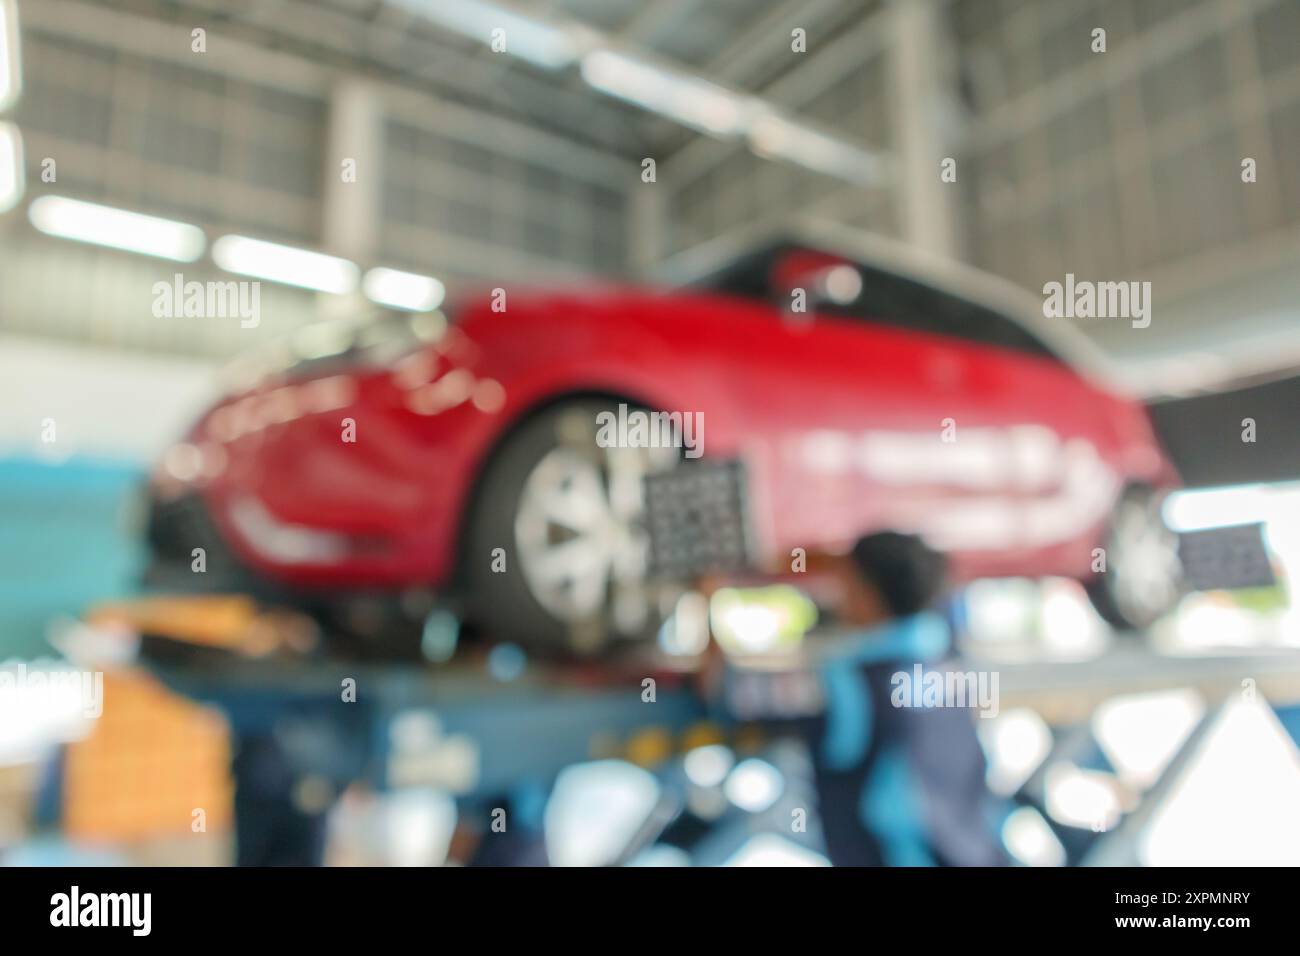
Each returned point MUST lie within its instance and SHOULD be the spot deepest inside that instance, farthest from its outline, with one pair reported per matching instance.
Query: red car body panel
(1011, 462)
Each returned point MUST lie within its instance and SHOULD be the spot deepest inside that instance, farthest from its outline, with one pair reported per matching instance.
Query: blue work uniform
(898, 786)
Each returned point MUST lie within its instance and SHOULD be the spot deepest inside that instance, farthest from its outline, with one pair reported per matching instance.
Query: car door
(1039, 429)
(914, 410)
(845, 410)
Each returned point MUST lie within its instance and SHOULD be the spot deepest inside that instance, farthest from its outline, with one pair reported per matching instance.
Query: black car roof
(741, 264)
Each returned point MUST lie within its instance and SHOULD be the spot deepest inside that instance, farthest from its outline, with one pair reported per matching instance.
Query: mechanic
(896, 786)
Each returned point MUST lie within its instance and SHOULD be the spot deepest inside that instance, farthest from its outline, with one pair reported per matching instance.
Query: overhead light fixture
(116, 228)
(687, 99)
(403, 290)
(542, 44)
(11, 73)
(286, 264)
(775, 137)
(11, 166)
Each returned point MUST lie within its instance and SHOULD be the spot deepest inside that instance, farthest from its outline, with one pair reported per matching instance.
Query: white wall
(105, 404)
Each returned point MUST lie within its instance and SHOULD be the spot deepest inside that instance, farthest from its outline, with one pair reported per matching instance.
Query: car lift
(474, 722)
(480, 732)
(467, 727)
(1067, 693)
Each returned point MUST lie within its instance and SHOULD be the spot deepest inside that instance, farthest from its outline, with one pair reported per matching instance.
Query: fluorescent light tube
(686, 99)
(540, 43)
(775, 136)
(286, 264)
(11, 72)
(11, 166)
(116, 228)
(403, 290)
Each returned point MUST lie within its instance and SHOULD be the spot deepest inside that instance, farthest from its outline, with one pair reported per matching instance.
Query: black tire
(501, 602)
(1105, 589)
(1103, 602)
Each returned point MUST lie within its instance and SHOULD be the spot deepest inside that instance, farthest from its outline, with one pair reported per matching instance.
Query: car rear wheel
(1143, 579)
(557, 552)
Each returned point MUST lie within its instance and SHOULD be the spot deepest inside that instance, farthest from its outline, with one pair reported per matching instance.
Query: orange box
(151, 760)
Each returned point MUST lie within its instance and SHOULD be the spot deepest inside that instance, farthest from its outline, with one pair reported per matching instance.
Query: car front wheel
(558, 553)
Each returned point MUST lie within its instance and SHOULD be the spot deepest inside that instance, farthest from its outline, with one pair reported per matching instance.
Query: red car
(860, 389)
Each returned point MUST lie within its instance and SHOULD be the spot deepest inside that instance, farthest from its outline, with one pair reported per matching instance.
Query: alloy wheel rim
(580, 535)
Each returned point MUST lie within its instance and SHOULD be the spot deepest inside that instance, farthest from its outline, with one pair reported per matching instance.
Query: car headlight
(286, 543)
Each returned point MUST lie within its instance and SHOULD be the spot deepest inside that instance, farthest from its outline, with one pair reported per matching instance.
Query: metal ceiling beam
(769, 35)
(766, 37)
(153, 39)
(756, 119)
(654, 17)
(537, 95)
(375, 44)
(157, 40)
(822, 70)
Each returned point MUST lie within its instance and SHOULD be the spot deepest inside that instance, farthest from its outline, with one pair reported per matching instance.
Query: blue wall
(66, 541)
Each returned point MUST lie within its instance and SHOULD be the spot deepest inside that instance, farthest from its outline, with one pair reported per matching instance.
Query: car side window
(905, 303)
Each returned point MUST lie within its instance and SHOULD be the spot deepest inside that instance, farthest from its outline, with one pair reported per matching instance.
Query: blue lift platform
(455, 726)
(487, 721)
(482, 726)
